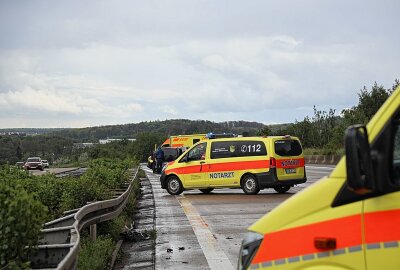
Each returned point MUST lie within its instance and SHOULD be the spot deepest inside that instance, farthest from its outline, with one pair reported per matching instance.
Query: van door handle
(201, 165)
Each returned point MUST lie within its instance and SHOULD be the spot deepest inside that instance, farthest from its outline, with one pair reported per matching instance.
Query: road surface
(204, 231)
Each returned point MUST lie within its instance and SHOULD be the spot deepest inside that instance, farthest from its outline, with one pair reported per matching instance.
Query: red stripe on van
(185, 170)
(222, 167)
(299, 241)
(382, 226)
(177, 145)
(237, 166)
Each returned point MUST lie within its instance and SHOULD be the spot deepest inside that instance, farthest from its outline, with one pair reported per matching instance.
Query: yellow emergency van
(183, 140)
(250, 163)
(349, 220)
(187, 141)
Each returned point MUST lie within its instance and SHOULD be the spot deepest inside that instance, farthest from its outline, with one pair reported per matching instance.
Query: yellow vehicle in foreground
(250, 163)
(349, 220)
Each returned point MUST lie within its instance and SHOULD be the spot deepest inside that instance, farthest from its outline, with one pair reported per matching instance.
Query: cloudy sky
(87, 63)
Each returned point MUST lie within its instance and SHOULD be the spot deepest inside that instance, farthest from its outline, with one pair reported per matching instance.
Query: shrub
(21, 217)
(95, 255)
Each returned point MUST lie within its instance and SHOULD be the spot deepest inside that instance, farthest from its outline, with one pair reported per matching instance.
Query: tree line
(323, 132)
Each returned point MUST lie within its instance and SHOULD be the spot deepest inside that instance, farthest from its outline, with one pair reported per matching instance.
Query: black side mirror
(360, 175)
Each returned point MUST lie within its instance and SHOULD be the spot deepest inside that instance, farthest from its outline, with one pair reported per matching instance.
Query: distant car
(45, 163)
(34, 163)
(20, 164)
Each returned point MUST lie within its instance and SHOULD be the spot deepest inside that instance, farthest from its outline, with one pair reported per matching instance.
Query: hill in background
(164, 128)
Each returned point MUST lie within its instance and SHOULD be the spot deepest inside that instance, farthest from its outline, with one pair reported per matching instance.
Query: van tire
(250, 184)
(206, 190)
(174, 185)
(282, 189)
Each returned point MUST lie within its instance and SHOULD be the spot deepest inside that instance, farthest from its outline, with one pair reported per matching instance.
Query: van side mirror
(360, 175)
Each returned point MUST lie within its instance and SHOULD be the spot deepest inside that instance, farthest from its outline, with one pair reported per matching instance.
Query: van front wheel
(282, 189)
(174, 186)
(250, 185)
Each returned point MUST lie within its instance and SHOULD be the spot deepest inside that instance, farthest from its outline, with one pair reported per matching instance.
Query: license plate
(291, 170)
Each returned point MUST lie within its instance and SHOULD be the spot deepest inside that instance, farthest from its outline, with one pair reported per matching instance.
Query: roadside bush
(112, 228)
(27, 201)
(21, 217)
(95, 255)
(109, 173)
(80, 191)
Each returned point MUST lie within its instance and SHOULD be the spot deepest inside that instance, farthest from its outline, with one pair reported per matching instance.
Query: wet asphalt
(196, 230)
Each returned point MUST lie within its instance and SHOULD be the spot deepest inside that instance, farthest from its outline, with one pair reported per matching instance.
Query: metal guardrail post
(93, 232)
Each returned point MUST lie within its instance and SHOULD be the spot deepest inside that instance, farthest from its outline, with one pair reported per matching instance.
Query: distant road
(52, 170)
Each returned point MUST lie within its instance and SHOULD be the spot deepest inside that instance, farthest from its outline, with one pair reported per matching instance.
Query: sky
(90, 63)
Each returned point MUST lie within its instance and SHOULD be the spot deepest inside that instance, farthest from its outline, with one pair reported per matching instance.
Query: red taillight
(272, 162)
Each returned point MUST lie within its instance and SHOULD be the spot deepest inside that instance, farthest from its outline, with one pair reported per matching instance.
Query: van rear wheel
(250, 184)
(174, 186)
(282, 189)
(206, 190)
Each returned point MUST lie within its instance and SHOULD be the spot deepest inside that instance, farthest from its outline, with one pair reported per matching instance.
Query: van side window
(223, 149)
(198, 152)
(251, 148)
(396, 157)
(286, 148)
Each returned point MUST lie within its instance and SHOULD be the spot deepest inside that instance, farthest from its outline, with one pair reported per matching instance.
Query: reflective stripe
(221, 167)
(317, 256)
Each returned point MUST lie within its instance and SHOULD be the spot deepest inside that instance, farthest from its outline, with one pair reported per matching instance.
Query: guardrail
(59, 246)
(76, 172)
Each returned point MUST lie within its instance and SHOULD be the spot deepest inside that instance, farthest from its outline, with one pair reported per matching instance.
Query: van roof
(256, 138)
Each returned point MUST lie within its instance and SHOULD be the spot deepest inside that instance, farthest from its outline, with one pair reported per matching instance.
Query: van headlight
(248, 250)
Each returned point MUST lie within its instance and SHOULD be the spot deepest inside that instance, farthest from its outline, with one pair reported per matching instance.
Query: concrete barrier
(322, 159)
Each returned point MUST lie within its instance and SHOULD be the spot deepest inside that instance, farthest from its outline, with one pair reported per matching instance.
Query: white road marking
(215, 256)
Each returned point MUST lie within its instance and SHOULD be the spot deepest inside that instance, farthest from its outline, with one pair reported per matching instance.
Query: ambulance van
(187, 141)
(183, 140)
(349, 220)
(250, 163)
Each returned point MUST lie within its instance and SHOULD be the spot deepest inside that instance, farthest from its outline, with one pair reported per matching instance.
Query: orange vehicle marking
(300, 240)
(221, 167)
(177, 145)
(382, 226)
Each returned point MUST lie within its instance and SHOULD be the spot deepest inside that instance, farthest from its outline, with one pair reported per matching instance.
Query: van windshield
(288, 148)
(170, 153)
